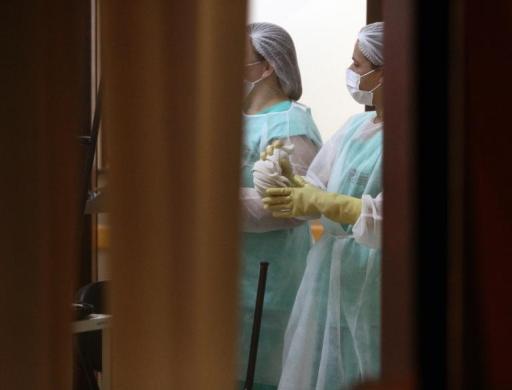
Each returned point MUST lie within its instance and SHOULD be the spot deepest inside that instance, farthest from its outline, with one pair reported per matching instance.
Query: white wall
(324, 32)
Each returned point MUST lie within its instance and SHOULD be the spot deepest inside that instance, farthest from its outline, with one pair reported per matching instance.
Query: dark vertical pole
(82, 378)
(457, 210)
(85, 262)
(432, 183)
(258, 312)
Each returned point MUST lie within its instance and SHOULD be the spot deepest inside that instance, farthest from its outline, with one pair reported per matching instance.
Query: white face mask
(249, 85)
(353, 81)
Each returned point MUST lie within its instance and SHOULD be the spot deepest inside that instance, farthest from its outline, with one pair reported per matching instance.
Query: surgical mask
(249, 85)
(353, 82)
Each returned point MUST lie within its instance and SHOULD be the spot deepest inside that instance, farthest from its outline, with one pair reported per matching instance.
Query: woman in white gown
(333, 335)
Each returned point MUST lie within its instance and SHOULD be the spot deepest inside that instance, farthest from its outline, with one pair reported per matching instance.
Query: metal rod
(256, 325)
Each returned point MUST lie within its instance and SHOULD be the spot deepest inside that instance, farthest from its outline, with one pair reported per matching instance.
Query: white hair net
(371, 42)
(276, 46)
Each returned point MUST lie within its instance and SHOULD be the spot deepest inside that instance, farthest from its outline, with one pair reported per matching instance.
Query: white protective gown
(333, 336)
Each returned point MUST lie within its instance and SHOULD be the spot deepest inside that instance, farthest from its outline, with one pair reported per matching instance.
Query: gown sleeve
(368, 228)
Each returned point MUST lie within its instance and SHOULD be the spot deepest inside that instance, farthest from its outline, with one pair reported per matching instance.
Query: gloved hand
(310, 201)
(286, 166)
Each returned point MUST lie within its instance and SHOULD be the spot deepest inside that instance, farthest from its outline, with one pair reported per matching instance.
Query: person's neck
(379, 106)
(263, 98)
(379, 118)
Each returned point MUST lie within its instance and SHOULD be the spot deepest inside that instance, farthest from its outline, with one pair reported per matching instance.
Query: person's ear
(380, 73)
(268, 70)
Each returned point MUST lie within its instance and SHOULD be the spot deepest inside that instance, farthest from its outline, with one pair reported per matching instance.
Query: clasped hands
(302, 199)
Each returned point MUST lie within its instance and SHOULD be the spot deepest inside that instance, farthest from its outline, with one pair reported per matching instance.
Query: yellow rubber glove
(309, 201)
(286, 167)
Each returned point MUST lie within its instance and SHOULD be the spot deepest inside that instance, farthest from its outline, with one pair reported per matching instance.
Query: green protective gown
(285, 250)
(333, 337)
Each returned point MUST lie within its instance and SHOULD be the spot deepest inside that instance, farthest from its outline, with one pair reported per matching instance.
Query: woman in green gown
(271, 112)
